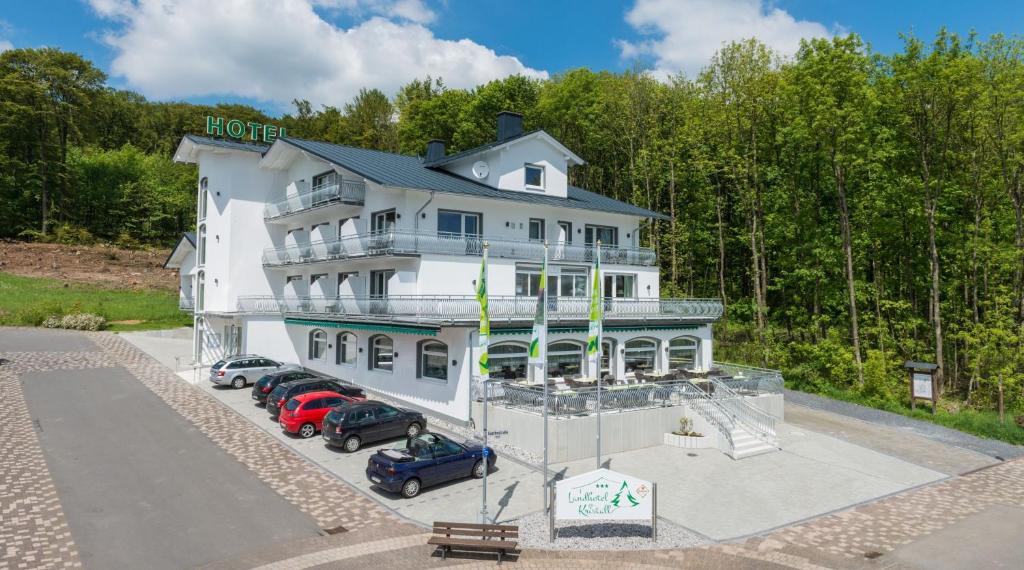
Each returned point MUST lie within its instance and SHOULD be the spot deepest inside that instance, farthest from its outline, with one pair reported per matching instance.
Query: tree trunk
(933, 254)
(721, 251)
(844, 223)
(672, 213)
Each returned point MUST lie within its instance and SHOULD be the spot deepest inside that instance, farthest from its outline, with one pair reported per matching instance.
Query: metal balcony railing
(448, 308)
(344, 192)
(402, 242)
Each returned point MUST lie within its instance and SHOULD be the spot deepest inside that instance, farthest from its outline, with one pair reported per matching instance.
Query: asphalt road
(140, 486)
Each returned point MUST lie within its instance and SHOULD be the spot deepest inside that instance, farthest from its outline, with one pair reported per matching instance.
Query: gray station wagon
(237, 371)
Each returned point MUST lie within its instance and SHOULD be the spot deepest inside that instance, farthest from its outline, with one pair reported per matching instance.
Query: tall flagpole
(596, 314)
(539, 353)
(484, 341)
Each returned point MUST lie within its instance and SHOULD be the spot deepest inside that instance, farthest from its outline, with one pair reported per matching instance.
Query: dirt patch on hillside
(102, 265)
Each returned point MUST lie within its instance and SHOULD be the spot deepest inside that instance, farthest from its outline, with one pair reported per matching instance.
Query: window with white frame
(565, 358)
(570, 283)
(640, 354)
(682, 353)
(348, 347)
(204, 195)
(202, 245)
(527, 281)
(317, 344)
(536, 229)
(607, 356)
(507, 360)
(200, 290)
(533, 176)
(316, 277)
(433, 360)
(382, 353)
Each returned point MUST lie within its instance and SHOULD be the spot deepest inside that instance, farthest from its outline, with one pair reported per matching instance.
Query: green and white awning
(607, 329)
(366, 326)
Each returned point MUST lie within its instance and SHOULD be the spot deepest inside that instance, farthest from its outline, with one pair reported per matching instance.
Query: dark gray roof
(402, 171)
(472, 151)
(224, 143)
(191, 237)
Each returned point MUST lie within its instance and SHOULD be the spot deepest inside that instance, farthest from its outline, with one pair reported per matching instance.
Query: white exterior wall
(505, 164)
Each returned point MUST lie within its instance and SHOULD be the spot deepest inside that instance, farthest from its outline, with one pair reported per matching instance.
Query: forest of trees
(853, 210)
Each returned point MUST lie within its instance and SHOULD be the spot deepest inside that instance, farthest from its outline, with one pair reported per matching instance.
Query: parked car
(237, 371)
(287, 390)
(350, 427)
(426, 460)
(265, 385)
(304, 414)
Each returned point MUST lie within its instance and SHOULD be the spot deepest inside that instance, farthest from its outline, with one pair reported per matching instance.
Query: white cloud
(5, 45)
(279, 50)
(685, 34)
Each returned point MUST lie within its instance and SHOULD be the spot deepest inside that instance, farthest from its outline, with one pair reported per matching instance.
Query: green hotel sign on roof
(257, 132)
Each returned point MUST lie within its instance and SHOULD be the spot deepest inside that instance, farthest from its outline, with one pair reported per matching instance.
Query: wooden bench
(468, 536)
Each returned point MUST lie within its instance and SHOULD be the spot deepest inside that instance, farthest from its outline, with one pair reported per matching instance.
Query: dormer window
(534, 176)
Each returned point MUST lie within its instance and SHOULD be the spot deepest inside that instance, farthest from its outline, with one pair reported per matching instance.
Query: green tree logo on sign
(629, 496)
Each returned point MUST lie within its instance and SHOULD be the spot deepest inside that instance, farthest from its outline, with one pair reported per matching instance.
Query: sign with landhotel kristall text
(257, 132)
(603, 495)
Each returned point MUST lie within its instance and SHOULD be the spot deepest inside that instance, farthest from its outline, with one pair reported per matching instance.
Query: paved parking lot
(514, 489)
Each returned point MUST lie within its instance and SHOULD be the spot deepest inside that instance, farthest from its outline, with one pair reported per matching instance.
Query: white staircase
(747, 431)
(745, 444)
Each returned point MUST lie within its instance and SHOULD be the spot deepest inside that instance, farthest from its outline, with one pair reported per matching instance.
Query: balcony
(351, 192)
(465, 308)
(401, 242)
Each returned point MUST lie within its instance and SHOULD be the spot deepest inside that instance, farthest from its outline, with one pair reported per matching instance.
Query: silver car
(237, 371)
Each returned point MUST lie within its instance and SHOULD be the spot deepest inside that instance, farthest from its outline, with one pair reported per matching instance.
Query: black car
(351, 426)
(267, 383)
(287, 390)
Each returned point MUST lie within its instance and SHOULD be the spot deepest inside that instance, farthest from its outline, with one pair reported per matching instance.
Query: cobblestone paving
(34, 532)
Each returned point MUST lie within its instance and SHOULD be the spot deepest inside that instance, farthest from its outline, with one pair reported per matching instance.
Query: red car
(304, 414)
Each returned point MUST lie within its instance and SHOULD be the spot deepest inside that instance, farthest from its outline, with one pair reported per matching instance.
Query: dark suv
(287, 390)
(262, 388)
(351, 426)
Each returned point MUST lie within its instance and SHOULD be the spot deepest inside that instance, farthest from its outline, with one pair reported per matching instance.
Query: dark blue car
(427, 459)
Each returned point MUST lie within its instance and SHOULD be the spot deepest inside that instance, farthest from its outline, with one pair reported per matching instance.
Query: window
(382, 353)
(204, 196)
(433, 362)
(347, 348)
(202, 245)
(445, 448)
(536, 229)
(201, 290)
(607, 354)
(451, 223)
(682, 353)
(527, 281)
(360, 417)
(607, 235)
(316, 277)
(565, 358)
(317, 344)
(383, 221)
(324, 180)
(385, 413)
(347, 278)
(640, 354)
(565, 232)
(508, 360)
(571, 283)
(534, 176)
(619, 286)
(290, 278)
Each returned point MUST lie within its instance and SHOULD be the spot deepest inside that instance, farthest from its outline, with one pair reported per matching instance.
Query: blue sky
(323, 50)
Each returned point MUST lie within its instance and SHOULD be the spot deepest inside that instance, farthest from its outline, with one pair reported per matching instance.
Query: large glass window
(619, 286)
(527, 281)
(536, 229)
(508, 361)
(565, 358)
(451, 223)
(682, 353)
(570, 284)
(382, 353)
(433, 360)
(347, 349)
(317, 344)
(607, 235)
(640, 354)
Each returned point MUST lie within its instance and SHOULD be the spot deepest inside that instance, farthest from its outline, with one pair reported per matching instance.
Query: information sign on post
(604, 495)
(922, 383)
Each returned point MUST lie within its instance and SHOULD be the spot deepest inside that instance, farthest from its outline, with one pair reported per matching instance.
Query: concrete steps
(745, 444)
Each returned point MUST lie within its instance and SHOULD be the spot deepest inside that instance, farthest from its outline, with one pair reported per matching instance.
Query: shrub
(75, 321)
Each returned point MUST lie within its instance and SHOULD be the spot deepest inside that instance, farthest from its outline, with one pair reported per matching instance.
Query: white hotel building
(362, 264)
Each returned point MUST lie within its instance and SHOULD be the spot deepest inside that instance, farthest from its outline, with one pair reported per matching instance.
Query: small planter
(687, 441)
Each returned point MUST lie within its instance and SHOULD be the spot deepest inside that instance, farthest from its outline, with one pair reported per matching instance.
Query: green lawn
(981, 423)
(26, 301)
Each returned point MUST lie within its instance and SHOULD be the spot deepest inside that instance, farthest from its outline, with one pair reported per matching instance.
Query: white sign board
(922, 385)
(603, 495)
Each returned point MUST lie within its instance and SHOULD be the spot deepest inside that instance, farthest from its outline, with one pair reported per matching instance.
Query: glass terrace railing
(344, 192)
(402, 242)
(186, 303)
(449, 308)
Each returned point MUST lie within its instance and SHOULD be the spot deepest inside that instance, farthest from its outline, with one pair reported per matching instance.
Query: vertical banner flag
(596, 316)
(485, 319)
(540, 321)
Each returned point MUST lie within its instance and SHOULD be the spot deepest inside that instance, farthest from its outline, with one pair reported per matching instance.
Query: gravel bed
(618, 535)
(990, 447)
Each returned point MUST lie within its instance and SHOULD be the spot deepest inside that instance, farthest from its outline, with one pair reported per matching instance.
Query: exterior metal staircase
(746, 429)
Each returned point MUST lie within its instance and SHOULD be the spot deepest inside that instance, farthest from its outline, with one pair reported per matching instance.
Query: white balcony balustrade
(344, 192)
(458, 308)
(402, 242)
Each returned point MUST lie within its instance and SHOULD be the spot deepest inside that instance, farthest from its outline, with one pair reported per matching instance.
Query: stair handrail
(706, 406)
(761, 423)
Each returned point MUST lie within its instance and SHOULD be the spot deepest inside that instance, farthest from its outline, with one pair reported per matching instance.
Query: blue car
(425, 460)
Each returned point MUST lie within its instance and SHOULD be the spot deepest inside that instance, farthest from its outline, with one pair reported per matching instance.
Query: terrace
(351, 192)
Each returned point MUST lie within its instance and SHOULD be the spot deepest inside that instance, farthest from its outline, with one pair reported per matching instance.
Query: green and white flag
(596, 309)
(540, 321)
(485, 319)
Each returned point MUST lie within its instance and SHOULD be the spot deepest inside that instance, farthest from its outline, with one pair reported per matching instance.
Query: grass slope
(26, 301)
